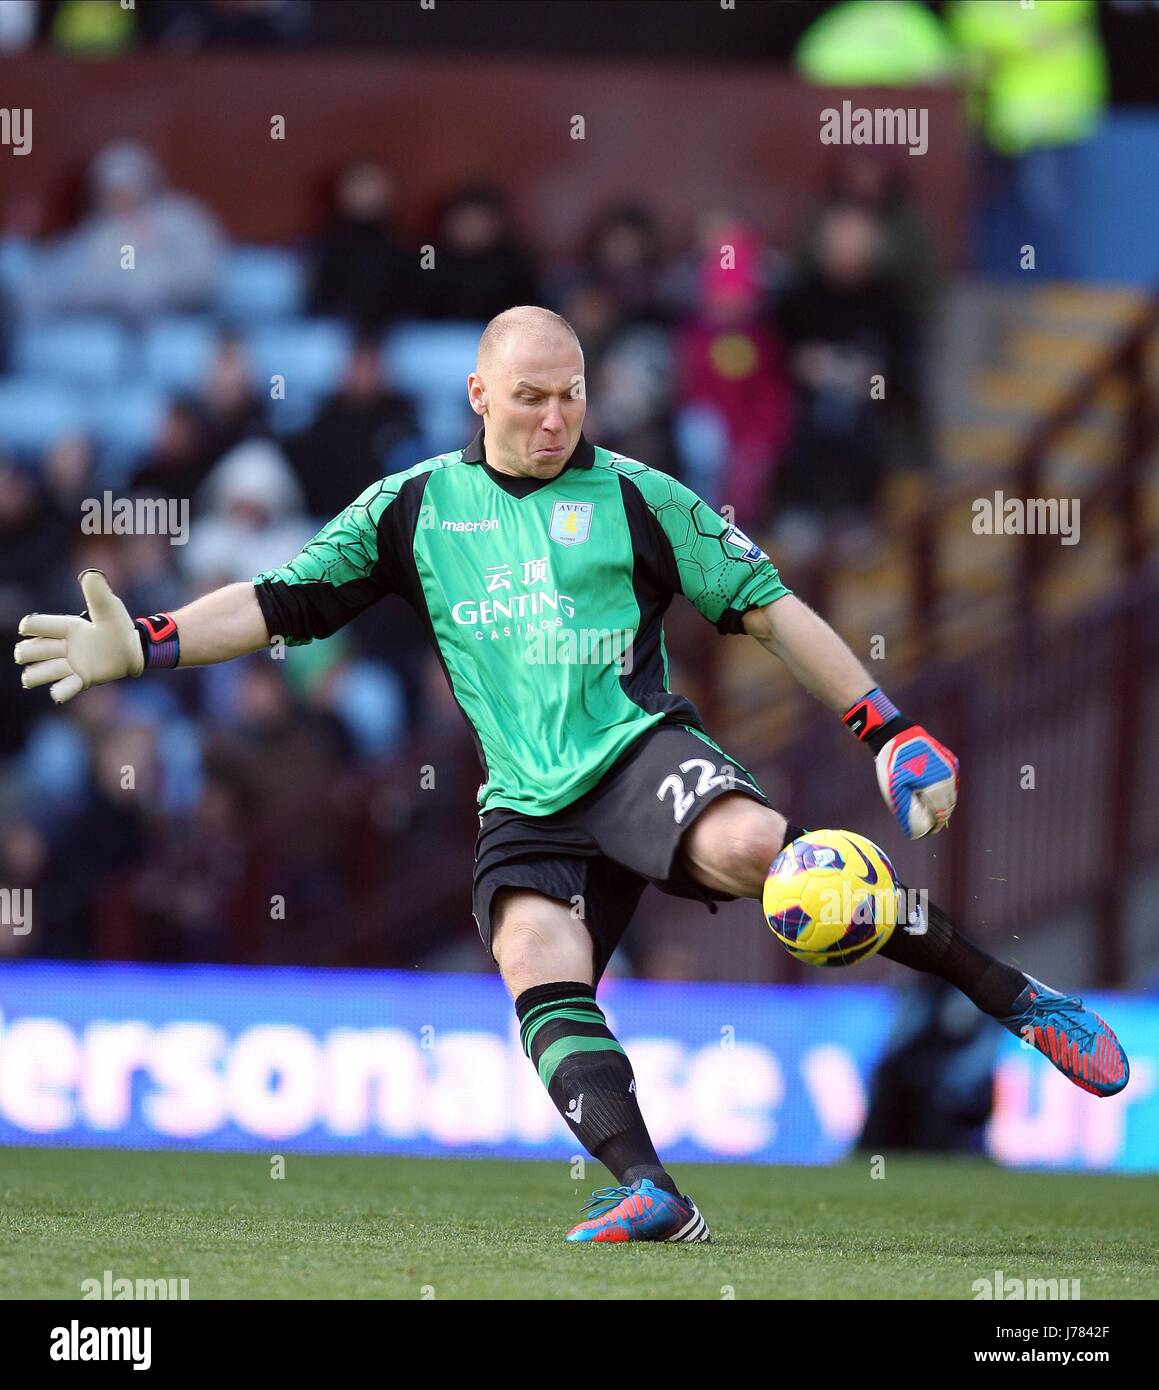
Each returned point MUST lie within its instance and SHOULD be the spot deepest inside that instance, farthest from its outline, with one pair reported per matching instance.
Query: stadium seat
(448, 423)
(177, 352)
(262, 282)
(125, 419)
(309, 353)
(82, 351)
(35, 413)
(430, 362)
(18, 257)
(431, 359)
(293, 415)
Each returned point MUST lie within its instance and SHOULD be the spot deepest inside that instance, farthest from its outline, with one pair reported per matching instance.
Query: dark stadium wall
(687, 139)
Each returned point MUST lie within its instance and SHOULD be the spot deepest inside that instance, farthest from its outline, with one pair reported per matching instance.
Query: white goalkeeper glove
(73, 653)
(918, 776)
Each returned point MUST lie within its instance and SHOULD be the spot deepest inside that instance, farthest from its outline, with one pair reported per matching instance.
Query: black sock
(589, 1078)
(792, 832)
(943, 951)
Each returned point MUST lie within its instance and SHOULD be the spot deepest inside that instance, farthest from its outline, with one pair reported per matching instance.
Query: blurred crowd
(163, 818)
(108, 26)
(295, 809)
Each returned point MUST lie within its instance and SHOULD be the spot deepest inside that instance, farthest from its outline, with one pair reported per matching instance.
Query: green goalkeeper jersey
(544, 599)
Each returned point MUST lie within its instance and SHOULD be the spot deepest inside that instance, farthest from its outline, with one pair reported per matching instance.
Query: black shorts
(617, 838)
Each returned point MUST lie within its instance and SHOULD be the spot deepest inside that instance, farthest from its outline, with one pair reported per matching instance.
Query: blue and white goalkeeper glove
(917, 775)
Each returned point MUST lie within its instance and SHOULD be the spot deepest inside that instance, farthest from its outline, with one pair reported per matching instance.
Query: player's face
(533, 408)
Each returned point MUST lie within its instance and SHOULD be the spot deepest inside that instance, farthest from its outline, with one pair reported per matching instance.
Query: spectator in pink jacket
(735, 394)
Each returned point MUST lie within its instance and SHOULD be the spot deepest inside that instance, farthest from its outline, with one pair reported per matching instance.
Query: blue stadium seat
(448, 423)
(178, 350)
(293, 415)
(309, 353)
(262, 282)
(87, 350)
(35, 413)
(18, 260)
(125, 419)
(431, 359)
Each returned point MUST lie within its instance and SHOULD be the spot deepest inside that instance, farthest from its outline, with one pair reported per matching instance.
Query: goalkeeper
(542, 566)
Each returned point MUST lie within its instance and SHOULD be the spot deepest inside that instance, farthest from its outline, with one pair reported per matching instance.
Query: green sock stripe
(566, 1047)
(558, 1004)
(575, 1015)
(540, 1014)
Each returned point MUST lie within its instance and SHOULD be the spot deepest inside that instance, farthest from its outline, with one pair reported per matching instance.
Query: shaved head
(528, 385)
(526, 324)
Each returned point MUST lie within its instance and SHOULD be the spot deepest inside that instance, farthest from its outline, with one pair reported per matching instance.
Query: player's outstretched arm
(220, 625)
(71, 653)
(817, 658)
(918, 776)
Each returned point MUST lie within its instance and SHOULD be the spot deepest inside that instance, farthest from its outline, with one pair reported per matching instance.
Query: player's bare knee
(528, 957)
(755, 840)
(737, 847)
(743, 859)
(537, 941)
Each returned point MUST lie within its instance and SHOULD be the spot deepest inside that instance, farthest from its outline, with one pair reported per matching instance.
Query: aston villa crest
(571, 522)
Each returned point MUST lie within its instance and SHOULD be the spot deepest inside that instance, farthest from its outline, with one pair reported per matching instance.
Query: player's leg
(727, 848)
(730, 846)
(550, 962)
(547, 959)
(731, 843)
(536, 939)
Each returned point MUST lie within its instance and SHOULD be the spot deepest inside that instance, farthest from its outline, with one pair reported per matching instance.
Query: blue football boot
(1075, 1039)
(640, 1212)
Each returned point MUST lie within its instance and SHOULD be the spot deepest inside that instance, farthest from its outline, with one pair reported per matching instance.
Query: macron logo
(575, 1109)
(491, 523)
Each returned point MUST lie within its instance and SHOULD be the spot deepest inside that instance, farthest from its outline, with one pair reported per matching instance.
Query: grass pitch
(345, 1227)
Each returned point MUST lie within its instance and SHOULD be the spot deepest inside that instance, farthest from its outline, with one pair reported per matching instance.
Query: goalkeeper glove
(917, 775)
(103, 644)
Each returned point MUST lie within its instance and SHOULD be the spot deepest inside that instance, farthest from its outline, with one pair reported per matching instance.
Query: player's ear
(476, 394)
